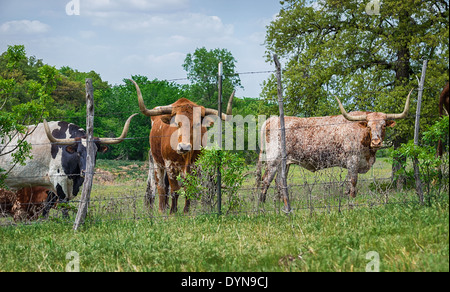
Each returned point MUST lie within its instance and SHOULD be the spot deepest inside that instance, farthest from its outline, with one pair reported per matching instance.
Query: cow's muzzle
(376, 143)
(183, 148)
(83, 173)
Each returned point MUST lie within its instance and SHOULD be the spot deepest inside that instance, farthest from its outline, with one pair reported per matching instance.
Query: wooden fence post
(90, 158)
(219, 114)
(284, 187)
(419, 190)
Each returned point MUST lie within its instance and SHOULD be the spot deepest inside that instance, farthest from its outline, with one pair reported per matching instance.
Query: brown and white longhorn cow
(177, 130)
(348, 140)
(58, 157)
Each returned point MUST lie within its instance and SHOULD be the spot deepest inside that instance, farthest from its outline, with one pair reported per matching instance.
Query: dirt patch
(104, 177)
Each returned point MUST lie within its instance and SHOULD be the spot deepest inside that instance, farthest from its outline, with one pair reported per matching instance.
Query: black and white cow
(58, 157)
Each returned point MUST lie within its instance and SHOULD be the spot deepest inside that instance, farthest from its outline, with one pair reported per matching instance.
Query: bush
(201, 182)
(433, 169)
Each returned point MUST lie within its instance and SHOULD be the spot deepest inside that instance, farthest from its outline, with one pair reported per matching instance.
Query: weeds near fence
(201, 183)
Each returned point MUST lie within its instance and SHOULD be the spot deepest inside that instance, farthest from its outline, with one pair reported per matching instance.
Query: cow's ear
(103, 148)
(166, 119)
(208, 121)
(390, 123)
(72, 148)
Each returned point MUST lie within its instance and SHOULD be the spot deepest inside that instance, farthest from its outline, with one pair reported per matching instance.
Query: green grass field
(407, 237)
(404, 235)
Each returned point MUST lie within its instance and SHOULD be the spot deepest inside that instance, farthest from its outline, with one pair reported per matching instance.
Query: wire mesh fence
(121, 195)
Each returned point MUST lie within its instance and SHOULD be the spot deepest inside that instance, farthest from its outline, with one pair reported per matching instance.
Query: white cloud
(134, 6)
(24, 27)
(182, 24)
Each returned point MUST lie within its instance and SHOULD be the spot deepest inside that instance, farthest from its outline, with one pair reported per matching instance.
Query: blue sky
(119, 38)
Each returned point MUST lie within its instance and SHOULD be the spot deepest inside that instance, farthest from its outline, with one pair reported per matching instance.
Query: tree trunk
(402, 75)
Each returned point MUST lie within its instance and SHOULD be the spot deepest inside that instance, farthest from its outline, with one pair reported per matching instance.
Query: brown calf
(27, 203)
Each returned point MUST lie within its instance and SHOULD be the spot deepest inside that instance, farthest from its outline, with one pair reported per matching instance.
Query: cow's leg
(163, 188)
(269, 174)
(174, 207)
(150, 192)
(61, 192)
(174, 186)
(352, 180)
(352, 176)
(49, 203)
(279, 182)
(167, 191)
(352, 185)
(187, 206)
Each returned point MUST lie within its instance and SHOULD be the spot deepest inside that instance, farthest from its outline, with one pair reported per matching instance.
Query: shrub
(201, 182)
(433, 169)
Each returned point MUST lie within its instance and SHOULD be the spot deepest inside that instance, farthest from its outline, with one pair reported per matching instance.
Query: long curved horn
(230, 104)
(54, 140)
(122, 137)
(405, 111)
(347, 116)
(210, 111)
(162, 110)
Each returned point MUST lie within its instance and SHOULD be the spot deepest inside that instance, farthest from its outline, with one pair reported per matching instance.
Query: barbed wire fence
(120, 194)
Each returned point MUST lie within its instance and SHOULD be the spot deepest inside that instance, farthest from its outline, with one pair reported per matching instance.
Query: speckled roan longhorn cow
(172, 146)
(349, 141)
(58, 157)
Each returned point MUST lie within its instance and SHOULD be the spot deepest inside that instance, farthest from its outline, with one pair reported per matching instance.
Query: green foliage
(432, 167)
(25, 99)
(201, 182)
(15, 55)
(202, 69)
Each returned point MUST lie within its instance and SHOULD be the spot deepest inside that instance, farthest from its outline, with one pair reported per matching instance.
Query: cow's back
(35, 169)
(318, 142)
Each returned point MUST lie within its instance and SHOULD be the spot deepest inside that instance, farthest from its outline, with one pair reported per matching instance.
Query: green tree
(23, 100)
(70, 94)
(203, 67)
(333, 47)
